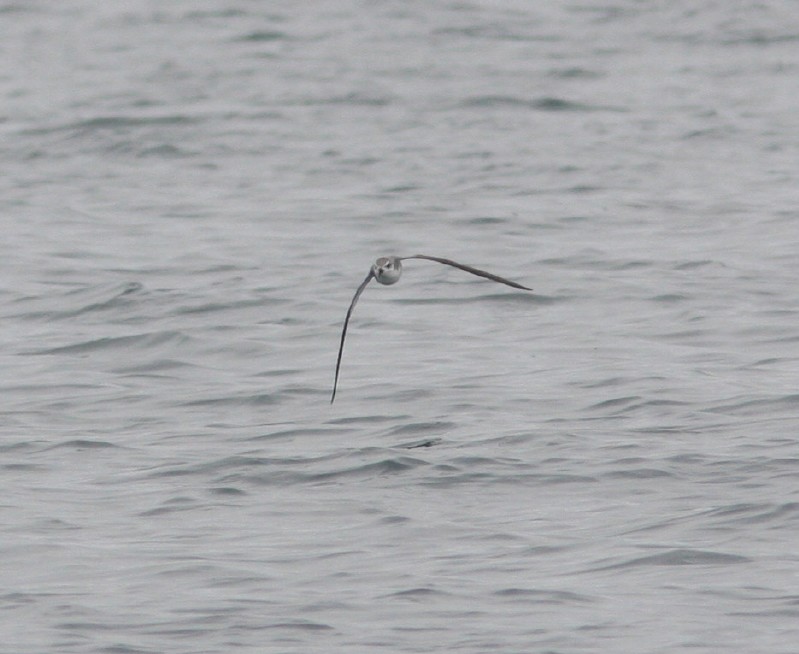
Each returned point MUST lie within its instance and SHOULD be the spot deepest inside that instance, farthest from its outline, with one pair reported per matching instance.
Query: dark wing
(344, 331)
(469, 269)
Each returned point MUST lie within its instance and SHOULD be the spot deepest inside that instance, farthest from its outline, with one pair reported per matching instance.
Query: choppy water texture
(191, 193)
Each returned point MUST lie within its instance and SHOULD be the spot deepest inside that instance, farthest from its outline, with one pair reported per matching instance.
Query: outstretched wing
(344, 331)
(469, 269)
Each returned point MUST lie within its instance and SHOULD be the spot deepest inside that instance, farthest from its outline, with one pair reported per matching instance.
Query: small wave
(301, 625)
(354, 99)
(421, 594)
(760, 37)
(758, 406)
(492, 32)
(82, 444)
(421, 428)
(262, 36)
(427, 442)
(487, 220)
(537, 596)
(281, 475)
(234, 471)
(537, 104)
(670, 298)
(227, 491)
(575, 72)
(639, 473)
(390, 466)
(102, 123)
(297, 433)
(749, 514)
(212, 307)
(254, 399)
(614, 403)
(80, 301)
(149, 367)
(138, 341)
(358, 420)
(680, 557)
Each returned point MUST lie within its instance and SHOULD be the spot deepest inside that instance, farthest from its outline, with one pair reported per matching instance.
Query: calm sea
(191, 192)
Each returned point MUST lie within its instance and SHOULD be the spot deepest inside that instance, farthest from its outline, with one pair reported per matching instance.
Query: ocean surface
(191, 192)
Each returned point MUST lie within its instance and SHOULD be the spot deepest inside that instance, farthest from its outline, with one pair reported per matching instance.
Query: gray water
(191, 193)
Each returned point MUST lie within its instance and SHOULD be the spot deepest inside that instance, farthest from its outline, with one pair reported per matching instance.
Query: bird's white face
(387, 270)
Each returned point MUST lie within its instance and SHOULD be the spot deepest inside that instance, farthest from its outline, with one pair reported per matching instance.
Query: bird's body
(387, 271)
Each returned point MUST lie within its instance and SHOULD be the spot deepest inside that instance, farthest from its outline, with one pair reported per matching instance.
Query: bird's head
(387, 270)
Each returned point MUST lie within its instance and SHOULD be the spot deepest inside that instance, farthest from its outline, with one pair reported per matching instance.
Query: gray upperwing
(344, 330)
(470, 269)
